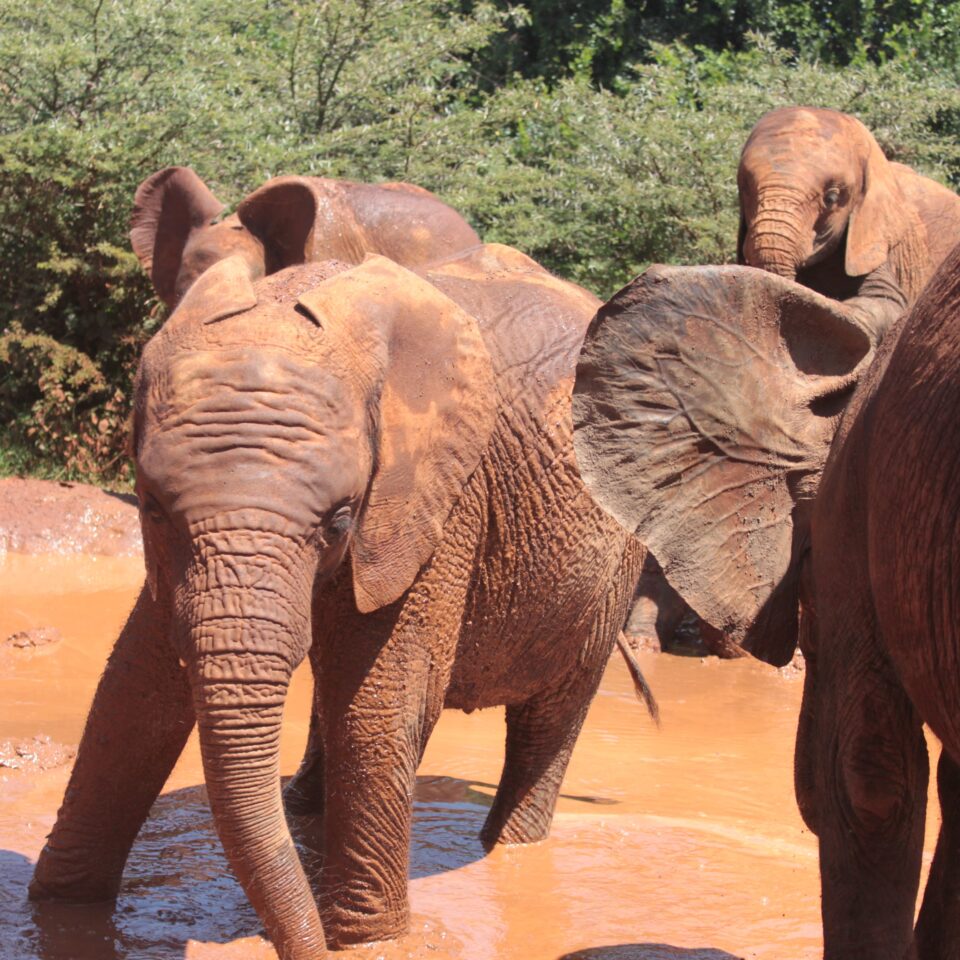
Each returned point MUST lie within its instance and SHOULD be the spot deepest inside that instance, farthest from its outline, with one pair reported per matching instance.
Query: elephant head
(705, 404)
(175, 233)
(287, 221)
(322, 416)
(814, 184)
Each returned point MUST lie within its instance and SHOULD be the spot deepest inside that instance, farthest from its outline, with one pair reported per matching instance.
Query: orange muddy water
(678, 842)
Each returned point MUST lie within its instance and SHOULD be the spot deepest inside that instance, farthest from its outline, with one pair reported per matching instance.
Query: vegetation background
(595, 135)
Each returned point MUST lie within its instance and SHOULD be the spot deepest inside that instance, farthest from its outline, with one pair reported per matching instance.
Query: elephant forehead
(811, 138)
(266, 386)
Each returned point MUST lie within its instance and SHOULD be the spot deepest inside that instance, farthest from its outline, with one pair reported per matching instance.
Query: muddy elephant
(373, 469)
(175, 233)
(707, 402)
(883, 647)
(820, 203)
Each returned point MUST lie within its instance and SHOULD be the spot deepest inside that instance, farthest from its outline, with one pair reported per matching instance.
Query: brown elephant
(883, 646)
(820, 203)
(289, 220)
(707, 402)
(376, 469)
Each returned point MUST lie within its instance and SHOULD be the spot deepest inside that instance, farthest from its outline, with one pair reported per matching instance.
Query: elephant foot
(303, 796)
(57, 878)
(522, 827)
(349, 929)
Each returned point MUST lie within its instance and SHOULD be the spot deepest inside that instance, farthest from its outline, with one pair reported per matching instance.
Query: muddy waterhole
(678, 842)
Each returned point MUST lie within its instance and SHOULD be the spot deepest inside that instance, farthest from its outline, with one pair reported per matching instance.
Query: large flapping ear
(705, 403)
(282, 215)
(219, 292)
(881, 218)
(166, 208)
(437, 408)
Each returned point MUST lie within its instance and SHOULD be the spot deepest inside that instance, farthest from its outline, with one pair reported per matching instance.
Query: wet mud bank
(677, 843)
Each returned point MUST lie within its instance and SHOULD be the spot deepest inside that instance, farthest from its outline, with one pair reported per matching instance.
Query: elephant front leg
(541, 735)
(872, 770)
(373, 744)
(141, 717)
(938, 926)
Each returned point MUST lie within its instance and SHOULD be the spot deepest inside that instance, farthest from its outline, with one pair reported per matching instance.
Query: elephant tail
(644, 692)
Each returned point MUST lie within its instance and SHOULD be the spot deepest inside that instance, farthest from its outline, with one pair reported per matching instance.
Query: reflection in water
(682, 842)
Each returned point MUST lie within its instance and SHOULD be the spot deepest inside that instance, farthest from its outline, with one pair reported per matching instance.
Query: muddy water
(682, 842)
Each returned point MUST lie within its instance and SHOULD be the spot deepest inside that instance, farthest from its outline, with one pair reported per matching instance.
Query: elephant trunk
(245, 643)
(775, 239)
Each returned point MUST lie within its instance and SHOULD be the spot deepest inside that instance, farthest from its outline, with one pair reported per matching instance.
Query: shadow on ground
(649, 951)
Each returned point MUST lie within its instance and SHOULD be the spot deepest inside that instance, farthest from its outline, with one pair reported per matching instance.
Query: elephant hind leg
(871, 777)
(542, 731)
(541, 734)
(938, 926)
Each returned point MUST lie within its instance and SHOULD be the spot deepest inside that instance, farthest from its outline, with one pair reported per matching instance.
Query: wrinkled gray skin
(377, 471)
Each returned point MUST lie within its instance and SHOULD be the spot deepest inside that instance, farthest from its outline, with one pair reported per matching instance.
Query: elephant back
(532, 322)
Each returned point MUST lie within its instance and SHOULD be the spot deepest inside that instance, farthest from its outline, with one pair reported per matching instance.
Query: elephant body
(795, 475)
(883, 646)
(289, 220)
(376, 470)
(820, 203)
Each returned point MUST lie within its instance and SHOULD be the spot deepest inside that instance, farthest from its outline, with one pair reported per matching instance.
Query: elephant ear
(705, 403)
(437, 409)
(881, 218)
(221, 291)
(282, 215)
(167, 208)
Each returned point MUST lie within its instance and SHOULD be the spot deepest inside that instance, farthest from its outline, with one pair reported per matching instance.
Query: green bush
(593, 138)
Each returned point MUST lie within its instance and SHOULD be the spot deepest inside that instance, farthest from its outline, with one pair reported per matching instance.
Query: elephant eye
(341, 521)
(150, 508)
(832, 197)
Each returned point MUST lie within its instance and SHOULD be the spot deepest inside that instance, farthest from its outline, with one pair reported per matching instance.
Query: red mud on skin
(681, 843)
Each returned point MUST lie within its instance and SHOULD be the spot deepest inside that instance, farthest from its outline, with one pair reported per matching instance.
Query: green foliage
(596, 135)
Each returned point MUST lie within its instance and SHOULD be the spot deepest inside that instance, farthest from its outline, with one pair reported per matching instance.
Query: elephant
(373, 468)
(821, 204)
(176, 236)
(883, 646)
(795, 476)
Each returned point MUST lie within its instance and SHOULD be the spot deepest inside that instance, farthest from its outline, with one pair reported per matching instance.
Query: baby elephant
(376, 469)
(820, 203)
(176, 235)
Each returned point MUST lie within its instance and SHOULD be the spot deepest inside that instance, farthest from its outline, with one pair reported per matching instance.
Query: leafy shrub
(586, 133)
(57, 404)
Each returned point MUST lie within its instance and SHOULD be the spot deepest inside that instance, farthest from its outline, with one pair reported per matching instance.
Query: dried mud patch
(32, 640)
(35, 753)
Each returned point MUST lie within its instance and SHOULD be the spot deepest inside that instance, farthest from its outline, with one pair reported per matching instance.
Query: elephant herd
(434, 469)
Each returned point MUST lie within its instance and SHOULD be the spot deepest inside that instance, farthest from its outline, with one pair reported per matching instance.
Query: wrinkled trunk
(775, 238)
(246, 639)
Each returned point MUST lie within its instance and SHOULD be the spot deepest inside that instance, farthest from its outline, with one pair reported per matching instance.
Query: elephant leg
(871, 775)
(303, 795)
(541, 734)
(140, 719)
(938, 926)
(375, 723)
